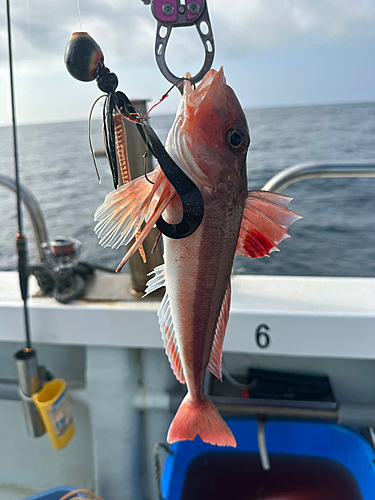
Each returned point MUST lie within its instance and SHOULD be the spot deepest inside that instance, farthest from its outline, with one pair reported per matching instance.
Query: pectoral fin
(124, 210)
(266, 219)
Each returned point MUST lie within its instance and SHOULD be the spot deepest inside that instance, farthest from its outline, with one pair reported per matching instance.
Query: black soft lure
(85, 62)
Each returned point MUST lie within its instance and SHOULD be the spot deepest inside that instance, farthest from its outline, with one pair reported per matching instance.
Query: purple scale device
(173, 14)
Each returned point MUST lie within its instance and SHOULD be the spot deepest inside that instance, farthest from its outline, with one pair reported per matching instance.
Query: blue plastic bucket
(332, 454)
(54, 494)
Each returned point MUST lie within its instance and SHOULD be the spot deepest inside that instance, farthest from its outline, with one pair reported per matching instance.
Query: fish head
(210, 136)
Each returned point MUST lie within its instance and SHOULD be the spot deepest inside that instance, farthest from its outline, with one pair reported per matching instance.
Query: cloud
(248, 25)
(42, 29)
(126, 30)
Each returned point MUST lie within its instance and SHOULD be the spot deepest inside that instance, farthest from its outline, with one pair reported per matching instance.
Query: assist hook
(85, 62)
(173, 14)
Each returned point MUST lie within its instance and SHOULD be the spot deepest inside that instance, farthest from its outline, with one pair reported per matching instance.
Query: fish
(209, 140)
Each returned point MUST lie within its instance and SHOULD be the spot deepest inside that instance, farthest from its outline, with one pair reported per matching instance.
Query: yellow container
(53, 404)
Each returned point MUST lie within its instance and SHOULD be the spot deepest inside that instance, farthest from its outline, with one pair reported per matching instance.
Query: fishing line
(164, 96)
(30, 39)
(90, 138)
(141, 118)
(20, 238)
(148, 141)
(79, 16)
(28, 26)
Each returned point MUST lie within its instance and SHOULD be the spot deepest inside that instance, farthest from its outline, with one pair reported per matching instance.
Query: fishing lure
(84, 60)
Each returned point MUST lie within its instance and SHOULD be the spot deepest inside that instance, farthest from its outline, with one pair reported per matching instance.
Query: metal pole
(136, 150)
(319, 170)
(29, 384)
(277, 412)
(34, 210)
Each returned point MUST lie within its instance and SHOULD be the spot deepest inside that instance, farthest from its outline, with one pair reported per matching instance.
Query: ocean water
(336, 237)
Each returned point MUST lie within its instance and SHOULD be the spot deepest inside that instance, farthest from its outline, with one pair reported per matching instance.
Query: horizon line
(247, 108)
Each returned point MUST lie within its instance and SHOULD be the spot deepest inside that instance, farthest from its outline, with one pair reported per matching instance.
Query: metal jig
(85, 61)
(176, 13)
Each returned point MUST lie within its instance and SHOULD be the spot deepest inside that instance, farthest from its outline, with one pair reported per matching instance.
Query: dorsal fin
(264, 225)
(214, 364)
(166, 323)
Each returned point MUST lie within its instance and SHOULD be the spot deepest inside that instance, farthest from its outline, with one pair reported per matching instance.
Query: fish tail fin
(203, 419)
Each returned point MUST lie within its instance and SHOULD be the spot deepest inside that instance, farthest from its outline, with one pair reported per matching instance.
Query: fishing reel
(63, 252)
(61, 274)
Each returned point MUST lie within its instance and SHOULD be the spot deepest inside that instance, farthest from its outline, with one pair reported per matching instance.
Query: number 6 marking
(262, 338)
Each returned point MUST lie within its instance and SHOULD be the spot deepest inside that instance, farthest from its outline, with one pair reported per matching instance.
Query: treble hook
(173, 14)
(85, 62)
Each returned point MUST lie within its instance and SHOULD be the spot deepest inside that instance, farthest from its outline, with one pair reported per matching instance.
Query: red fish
(209, 141)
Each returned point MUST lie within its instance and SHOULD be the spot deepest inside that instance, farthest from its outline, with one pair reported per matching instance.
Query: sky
(274, 53)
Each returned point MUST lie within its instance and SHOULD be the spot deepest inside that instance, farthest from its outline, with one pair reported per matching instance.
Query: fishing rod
(36, 384)
(26, 360)
(20, 237)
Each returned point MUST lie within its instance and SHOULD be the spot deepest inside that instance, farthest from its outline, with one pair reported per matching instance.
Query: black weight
(83, 57)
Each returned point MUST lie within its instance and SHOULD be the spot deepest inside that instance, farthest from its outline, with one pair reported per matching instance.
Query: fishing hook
(90, 138)
(145, 166)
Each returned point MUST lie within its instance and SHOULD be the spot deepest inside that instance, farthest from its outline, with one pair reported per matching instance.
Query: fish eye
(238, 139)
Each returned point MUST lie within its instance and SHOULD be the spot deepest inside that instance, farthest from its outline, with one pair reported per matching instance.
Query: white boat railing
(34, 210)
(319, 170)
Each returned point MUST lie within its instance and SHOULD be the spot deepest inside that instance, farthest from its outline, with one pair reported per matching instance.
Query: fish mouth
(178, 144)
(192, 97)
